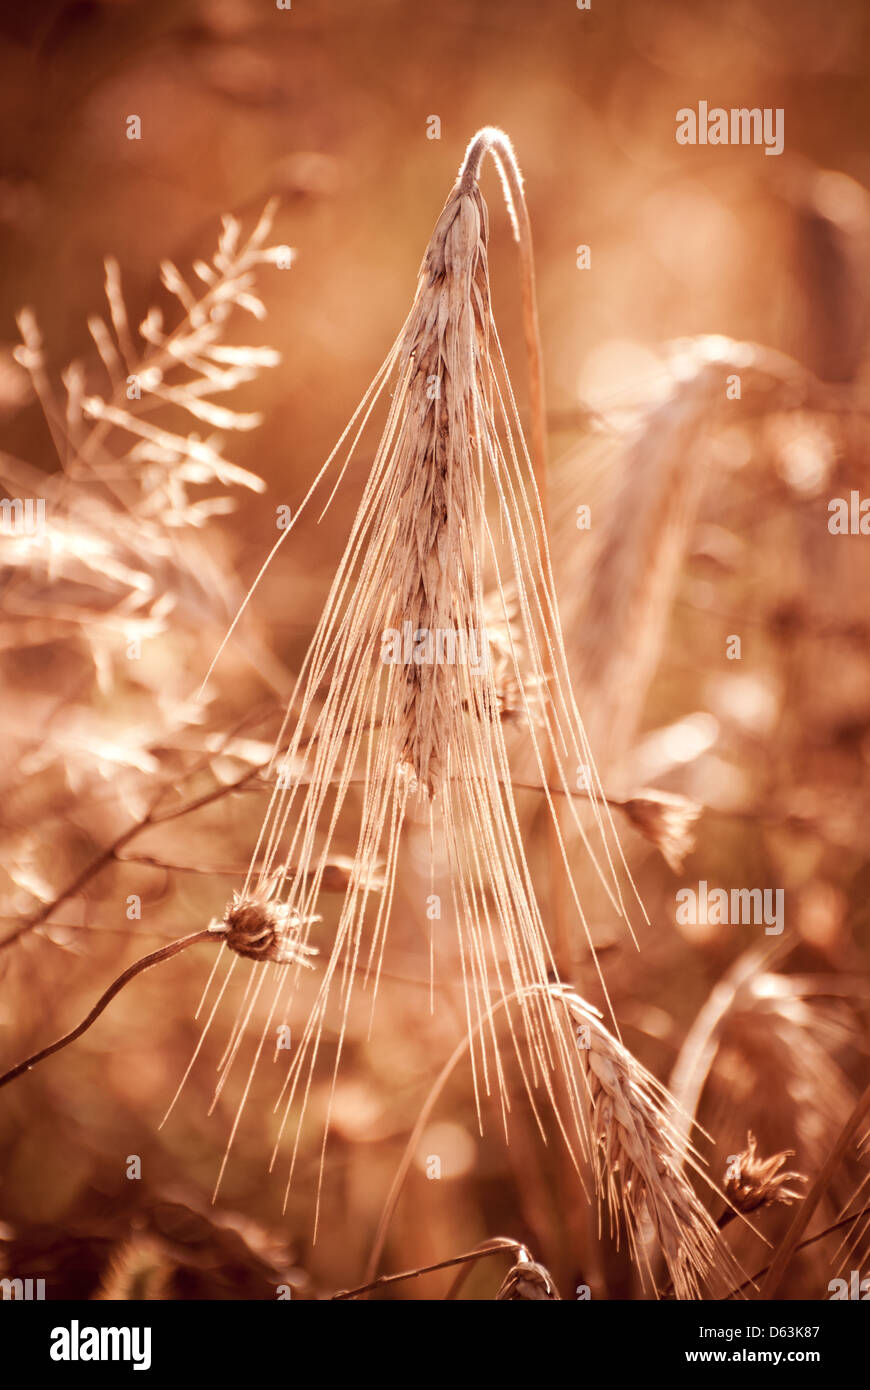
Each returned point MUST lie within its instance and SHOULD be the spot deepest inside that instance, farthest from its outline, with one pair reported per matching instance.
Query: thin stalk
(145, 963)
(499, 1244)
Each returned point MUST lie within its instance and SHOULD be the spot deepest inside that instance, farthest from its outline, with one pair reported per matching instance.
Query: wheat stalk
(427, 737)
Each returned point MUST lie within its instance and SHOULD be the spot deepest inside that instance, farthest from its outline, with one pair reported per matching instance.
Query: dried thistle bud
(666, 820)
(263, 930)
(752, 1182)
(527, 1282)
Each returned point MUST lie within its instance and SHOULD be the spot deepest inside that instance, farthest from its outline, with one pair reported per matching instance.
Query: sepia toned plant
(753, 1182)
(639, 1157)
(386, 827)
(527, 1282)
(425, 735)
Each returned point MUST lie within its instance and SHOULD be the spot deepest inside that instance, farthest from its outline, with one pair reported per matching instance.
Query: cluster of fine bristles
(450, 494)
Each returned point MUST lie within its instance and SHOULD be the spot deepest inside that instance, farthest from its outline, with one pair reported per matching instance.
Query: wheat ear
(426, 736)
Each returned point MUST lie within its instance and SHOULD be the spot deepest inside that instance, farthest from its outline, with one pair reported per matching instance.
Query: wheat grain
(426, 736)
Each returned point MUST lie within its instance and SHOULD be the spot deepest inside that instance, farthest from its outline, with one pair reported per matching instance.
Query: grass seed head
(667, 820)
(639, 1159)
(527, 1282)
(753, 1182)
(265, 931)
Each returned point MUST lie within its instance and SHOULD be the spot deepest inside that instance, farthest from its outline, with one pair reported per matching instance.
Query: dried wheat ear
(426, 740)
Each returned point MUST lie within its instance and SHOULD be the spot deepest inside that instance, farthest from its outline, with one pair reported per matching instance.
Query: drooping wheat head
(640, 1159)
(384, 699)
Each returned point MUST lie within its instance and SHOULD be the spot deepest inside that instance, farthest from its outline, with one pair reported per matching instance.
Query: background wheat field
(212, 218)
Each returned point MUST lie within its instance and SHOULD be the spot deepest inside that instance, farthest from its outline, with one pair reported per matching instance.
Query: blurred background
(709, 521)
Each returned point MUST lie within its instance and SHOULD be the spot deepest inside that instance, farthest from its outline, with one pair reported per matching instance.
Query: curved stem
(493, 1247)
(486, 1247)
(154, 958)
(404, 1167)
(407, 1157)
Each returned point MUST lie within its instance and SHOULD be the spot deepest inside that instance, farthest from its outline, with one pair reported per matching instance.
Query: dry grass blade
(756, 1023)
(803, 1216)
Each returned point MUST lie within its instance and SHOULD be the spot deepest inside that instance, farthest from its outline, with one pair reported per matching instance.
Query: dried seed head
(265, 931)
(527, 1282)
(666, 820)
(639, 1157)
(420, 558)
(752, 1182)
(439, 507)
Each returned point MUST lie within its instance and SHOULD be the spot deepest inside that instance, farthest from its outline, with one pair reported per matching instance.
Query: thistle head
(263, 930)
(753, 1182)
